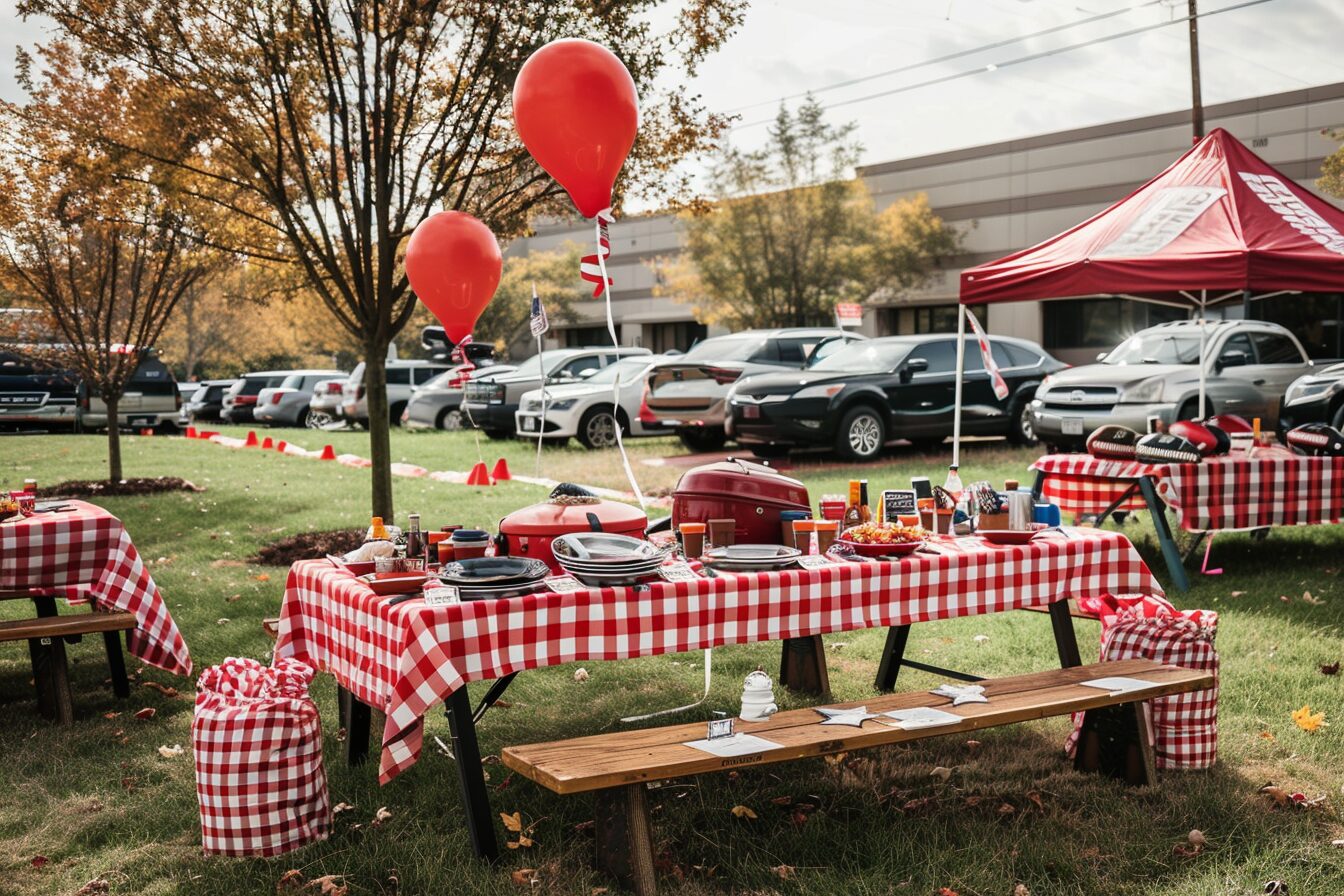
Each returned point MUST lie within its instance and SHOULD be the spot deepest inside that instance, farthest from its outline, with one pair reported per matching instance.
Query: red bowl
(384, 583)
(900, 549)
(1006, 536)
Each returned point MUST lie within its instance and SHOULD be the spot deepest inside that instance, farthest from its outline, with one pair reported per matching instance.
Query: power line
(949, 57)
(1031, 57)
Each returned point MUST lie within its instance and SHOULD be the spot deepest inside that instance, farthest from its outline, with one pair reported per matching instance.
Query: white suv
(402, 377)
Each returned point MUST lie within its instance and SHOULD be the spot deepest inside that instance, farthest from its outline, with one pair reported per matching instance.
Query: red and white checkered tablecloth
(1081, 483)
(86, 550)
(1272, 487)
(406, 658)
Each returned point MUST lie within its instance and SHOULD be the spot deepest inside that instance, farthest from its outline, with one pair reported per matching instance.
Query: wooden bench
(1116, 739)
(47, 636)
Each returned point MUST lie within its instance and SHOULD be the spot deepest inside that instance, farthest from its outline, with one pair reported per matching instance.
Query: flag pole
(539, 324)
(956, 400)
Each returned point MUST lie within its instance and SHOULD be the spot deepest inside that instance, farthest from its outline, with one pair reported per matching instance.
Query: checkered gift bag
(1185, 726)
(258, 744)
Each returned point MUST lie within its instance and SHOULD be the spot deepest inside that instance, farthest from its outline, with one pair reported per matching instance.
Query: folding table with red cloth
(84, 553)
(1271, 486)
(405, 657)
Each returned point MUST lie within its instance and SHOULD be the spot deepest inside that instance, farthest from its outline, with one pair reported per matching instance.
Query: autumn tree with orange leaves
(350, 123)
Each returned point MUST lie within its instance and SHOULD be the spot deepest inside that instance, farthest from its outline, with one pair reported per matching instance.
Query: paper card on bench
(1119, 684)
(922, 717)
(737, 745)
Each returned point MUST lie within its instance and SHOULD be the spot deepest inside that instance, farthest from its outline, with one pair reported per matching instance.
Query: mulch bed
(308, 546)
(94, 488)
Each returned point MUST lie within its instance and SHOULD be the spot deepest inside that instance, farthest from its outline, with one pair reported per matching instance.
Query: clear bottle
(953, 484)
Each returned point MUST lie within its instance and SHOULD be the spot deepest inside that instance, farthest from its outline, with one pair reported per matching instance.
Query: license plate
(1072, 427)
(529, 424)
(751, 412)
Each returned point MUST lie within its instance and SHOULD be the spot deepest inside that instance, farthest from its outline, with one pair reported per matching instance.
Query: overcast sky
(787, 47)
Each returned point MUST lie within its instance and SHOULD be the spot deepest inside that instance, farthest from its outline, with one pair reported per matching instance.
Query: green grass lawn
(97, 800)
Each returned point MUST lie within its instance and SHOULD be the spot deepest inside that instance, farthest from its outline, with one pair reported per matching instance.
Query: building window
(1100, 323)
(678, 336)
(918, 321)
(582, 337)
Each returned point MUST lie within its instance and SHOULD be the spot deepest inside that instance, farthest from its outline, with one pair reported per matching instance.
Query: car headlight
(1143, 391)
(821, 390)
(1305, 389)
(563, 404)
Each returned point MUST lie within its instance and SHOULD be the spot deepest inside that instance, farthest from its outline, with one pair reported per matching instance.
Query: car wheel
(597, 429)
(394, 413)
(702, 439)
(450, 419)
(497, 434)
(861, 435)
(1020, 429)
(316, 419)
(1190, 410)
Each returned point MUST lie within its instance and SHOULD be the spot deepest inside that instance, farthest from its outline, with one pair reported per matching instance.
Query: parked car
(688, 394)
(287, 403)
(489, 402)
(583, 410)
(205, 403)
(402, 377)
(150, 399)
(867, 394)
(1154, 375)
(240, 399)
(37, 394)
(325, 405)
(1317, 397)
(438, 403)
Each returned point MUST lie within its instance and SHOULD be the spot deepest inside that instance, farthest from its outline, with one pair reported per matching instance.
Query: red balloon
(454, 264)
(575, 108)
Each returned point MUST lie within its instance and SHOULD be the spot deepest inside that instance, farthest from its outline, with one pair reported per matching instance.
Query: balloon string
(541, 427)
(603, 288)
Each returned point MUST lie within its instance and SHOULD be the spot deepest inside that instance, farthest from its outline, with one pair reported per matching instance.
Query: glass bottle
(852, 517)
(953, 483)
(415, 545)
(865, 511)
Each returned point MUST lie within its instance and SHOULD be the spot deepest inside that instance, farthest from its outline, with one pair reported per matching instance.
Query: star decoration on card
(962, 693)
(854, 716)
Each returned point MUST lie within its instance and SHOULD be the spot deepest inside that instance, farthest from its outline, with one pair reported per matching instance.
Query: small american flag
(1000, 387)
(538, 320)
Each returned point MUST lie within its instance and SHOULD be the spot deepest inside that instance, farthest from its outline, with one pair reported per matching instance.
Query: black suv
(861, 397)
(36, 394)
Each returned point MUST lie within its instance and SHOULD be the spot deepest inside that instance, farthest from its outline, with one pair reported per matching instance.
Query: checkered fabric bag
(1185, 726)
(258, 743)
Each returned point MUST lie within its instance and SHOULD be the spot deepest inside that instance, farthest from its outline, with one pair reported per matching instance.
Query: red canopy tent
(1220, 220)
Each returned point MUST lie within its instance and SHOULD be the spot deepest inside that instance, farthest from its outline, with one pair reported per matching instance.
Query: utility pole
(1197, 105)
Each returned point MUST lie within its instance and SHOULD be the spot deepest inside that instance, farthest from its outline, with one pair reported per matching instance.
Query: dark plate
(494, 571)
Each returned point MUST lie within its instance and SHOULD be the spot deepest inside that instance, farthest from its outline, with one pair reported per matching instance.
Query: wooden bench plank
(62, 626)
(622, 758)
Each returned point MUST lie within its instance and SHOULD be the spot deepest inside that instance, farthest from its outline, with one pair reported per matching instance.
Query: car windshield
(865, 357)
(724, 348)
(1154, 347)
(628, 369)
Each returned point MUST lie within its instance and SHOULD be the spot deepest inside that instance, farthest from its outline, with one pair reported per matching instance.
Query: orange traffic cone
(267, 444)
(478, 475)
(191, 432)
(146, 432)
(328, 453)
(501, 471)
(251, 439)
(281, 446)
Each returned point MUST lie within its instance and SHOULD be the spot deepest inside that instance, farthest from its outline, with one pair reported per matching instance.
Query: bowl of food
(883, 539)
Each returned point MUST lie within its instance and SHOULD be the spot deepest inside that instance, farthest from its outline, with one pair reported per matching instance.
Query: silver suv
(1154, 375)
(402, 377)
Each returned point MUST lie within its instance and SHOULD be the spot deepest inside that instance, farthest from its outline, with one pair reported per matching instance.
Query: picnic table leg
(475, 799)
(892, 655)
(1170, 552)
(497, 689)
(1066, 640)
(802, 666)
(116, 664)
(356, 718)
(625, 837)
(1118, 741)
(50, 670)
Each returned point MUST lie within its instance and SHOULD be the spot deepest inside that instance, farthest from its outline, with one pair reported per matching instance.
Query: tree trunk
(113, 441)
(380, 447)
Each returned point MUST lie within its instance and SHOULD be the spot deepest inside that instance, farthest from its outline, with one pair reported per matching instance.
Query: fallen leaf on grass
(233, 598)
(381, 816)
(1267, 735)
(1237, 594)
(1330, 668)
(330, 885)
(512, 822)
(111, 715)
(341, 807)
(784, 872)
(743, 812)
(38, 861)
(798, 818)
(940, 772)
(523, 841)
(1337, 843)
(1194, 845)
(1314, 601)
(972, 747)
(161, 688)
(223, 620)
(947, 891)
(170, 752)
(1035, 797)
(1021, 890)
(263, 577)
(580, 674)
(128, 784)
(782, 801)
(146, 714)
(290, 881)
(980, 639)
(525, 877)
(1006, 809)
(96, 887)
(1309, 721)
(836, 758)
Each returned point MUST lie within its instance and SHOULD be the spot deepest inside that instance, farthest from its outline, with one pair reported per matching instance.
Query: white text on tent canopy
(1294, 212)
(1166, 216)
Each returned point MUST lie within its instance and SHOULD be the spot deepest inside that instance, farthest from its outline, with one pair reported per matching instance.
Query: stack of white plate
(751, 557)
(602, 559)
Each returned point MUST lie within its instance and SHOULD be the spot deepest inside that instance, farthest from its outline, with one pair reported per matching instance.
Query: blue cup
(1046, 513)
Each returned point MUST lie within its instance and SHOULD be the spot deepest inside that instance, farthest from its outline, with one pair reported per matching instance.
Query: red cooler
(752, 494)
(530, 531)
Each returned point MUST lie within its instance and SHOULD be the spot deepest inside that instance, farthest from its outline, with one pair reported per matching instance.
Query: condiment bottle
(377, 531)
(865, 511)
(415, 545)
(853, 517)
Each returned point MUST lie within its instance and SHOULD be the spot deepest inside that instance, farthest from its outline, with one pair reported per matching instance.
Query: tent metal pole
(956, 400)
(1203, 345)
